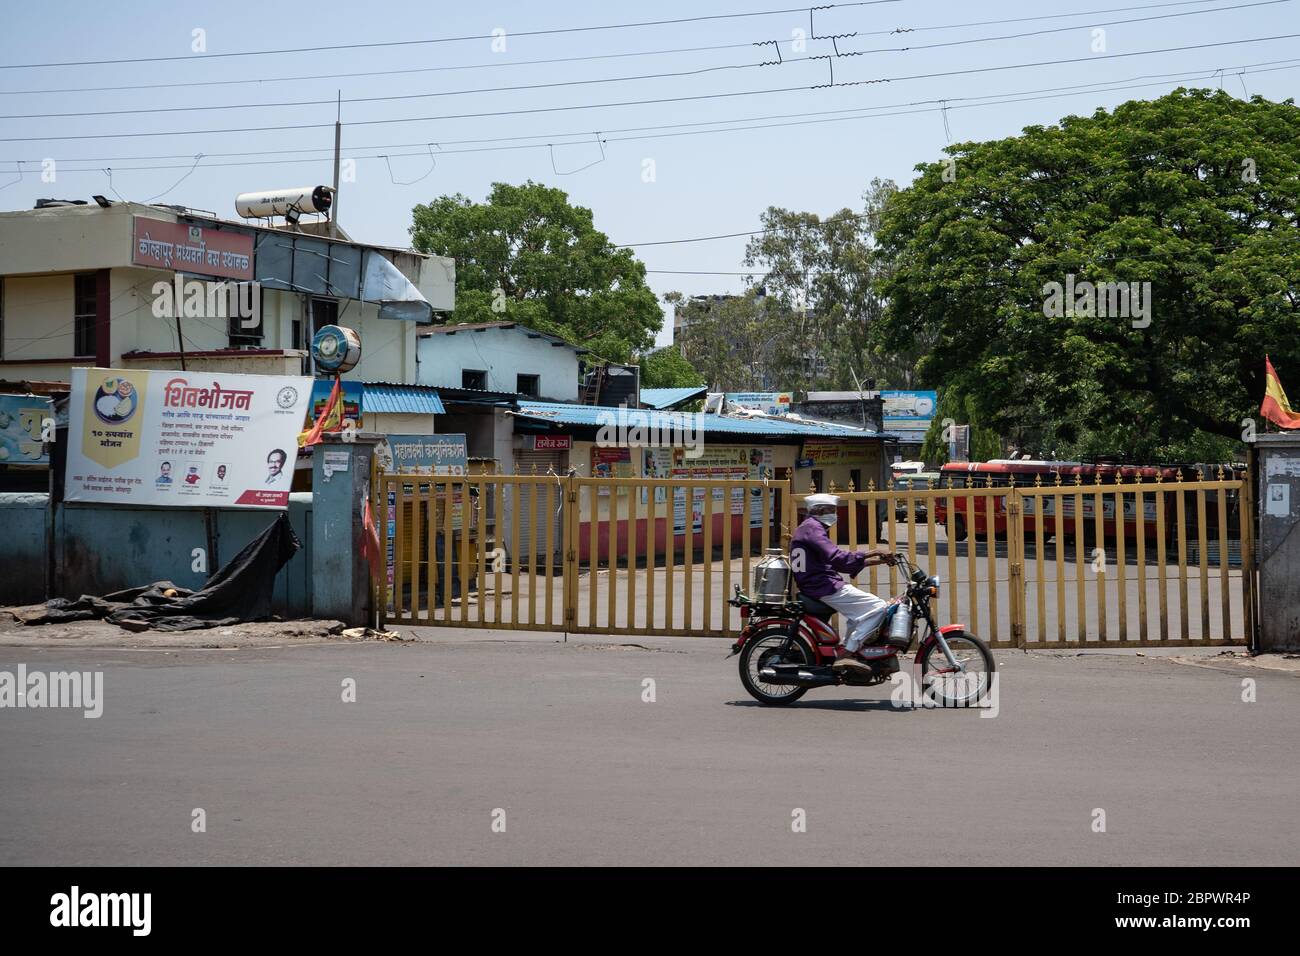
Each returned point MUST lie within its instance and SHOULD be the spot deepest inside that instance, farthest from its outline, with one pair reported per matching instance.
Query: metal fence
(1048, 565)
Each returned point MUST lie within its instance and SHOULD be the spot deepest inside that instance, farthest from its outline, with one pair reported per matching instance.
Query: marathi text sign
(180, 247)
(22, 426)
(424, 454)
(189, 439)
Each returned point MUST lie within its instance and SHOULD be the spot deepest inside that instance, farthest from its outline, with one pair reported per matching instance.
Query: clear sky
(664, 170)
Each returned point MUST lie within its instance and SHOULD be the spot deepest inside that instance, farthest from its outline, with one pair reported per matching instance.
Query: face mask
(828, 519)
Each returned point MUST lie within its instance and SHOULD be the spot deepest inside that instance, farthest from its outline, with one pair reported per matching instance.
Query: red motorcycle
(788, 647)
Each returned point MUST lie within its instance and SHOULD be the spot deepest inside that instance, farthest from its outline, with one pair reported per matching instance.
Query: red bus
(972, 513)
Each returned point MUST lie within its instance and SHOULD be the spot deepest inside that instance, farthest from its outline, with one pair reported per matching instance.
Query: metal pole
(338, 138)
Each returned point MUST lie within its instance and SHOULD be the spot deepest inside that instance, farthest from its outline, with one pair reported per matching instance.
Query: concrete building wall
(42, 250)
(503, 354)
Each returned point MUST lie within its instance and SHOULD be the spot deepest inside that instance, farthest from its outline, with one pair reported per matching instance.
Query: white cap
(818, 500)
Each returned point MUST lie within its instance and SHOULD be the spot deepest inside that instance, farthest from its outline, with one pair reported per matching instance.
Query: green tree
(666, 368)
(959, 410)
(731, 339)
(826, 274)
(1195, 193)
(527, 255)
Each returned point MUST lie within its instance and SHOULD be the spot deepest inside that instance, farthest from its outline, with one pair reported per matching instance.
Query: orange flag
(1275, 407)
(370, 546)
(331, 418)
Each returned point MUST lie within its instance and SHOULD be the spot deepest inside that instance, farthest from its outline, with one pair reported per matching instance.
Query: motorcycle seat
(816, 608)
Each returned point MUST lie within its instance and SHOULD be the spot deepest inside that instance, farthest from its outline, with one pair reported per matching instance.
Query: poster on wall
(715, 462)
(351, 392)
(607, 462)
(22, 423)
(196, 439)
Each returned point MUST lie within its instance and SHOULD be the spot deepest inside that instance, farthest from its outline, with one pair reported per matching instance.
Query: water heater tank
(280, 202)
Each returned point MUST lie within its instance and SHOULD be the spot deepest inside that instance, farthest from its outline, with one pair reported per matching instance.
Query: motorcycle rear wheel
(764, 648)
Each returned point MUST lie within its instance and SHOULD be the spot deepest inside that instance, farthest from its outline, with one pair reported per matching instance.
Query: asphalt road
(445, 732)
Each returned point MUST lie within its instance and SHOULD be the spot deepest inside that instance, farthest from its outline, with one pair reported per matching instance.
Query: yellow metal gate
(1043, 565)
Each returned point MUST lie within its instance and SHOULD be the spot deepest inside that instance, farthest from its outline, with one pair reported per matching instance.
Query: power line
(501, 63)
(457, 39)
(583, 137)
(675, 99)
(529, 87)
(835, 116)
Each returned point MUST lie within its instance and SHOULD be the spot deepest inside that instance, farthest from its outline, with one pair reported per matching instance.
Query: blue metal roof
(668, 397)
(401, 399)
(596, 415)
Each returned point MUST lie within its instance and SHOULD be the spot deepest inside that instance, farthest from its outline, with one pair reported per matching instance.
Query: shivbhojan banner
(195, 439)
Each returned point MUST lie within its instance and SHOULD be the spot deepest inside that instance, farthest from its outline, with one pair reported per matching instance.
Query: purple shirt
(822, 560)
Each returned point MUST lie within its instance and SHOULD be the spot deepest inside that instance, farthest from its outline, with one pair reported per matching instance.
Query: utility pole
(338, 139)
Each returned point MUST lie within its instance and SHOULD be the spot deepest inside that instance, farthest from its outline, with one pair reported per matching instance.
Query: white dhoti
(862, 612)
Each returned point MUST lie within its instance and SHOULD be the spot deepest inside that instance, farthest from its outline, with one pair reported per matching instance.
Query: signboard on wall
(548, 442)
(200, 250)
(22, 419)
(423, 454)
(908, 410)
(189, 439)
(769, 403)
(822, 452)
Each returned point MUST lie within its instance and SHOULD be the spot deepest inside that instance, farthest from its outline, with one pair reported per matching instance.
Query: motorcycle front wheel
(966, 685)
(765, 648)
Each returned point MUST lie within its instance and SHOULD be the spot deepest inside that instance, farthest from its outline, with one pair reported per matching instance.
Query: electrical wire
(835, 116)
(455, 39)
(530, 87)
(504, 63)
(583, 136)
(646, 102)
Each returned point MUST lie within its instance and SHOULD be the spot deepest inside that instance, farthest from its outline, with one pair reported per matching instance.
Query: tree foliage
(731, 339)
(541, 262)
(666, 368)
(825, 274)
(1195, 193)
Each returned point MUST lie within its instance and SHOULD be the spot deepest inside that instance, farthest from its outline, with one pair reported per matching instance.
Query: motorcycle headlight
(934, 586)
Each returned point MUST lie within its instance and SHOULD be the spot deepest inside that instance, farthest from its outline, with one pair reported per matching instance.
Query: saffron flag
(331, 418)
(370, 545)
(1275, 407)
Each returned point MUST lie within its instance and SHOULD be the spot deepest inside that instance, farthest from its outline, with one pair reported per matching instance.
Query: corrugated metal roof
(668, 397)
(597, 415)
(401, 399)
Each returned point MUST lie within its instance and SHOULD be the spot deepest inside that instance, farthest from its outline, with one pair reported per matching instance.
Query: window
(473, 378)
(323, 312)
(818, 481)
(530, 385)
(84, 295)
(2, 317)
(855, 478)
(238, 303)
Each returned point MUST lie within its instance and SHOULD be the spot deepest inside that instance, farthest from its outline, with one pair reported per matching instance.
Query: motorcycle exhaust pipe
(802, 677)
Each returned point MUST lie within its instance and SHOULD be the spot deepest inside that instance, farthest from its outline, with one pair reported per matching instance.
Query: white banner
(193, 439)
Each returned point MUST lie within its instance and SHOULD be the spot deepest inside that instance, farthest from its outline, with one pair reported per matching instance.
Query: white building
(500, 357)
(78, 287)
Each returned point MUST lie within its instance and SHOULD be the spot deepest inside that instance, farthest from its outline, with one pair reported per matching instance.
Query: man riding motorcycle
(817, 564)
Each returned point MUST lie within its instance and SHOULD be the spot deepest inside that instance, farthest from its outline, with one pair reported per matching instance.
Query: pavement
(454, 734)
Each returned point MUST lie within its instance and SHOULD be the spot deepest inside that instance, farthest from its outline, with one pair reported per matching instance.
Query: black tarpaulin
(240, 591)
